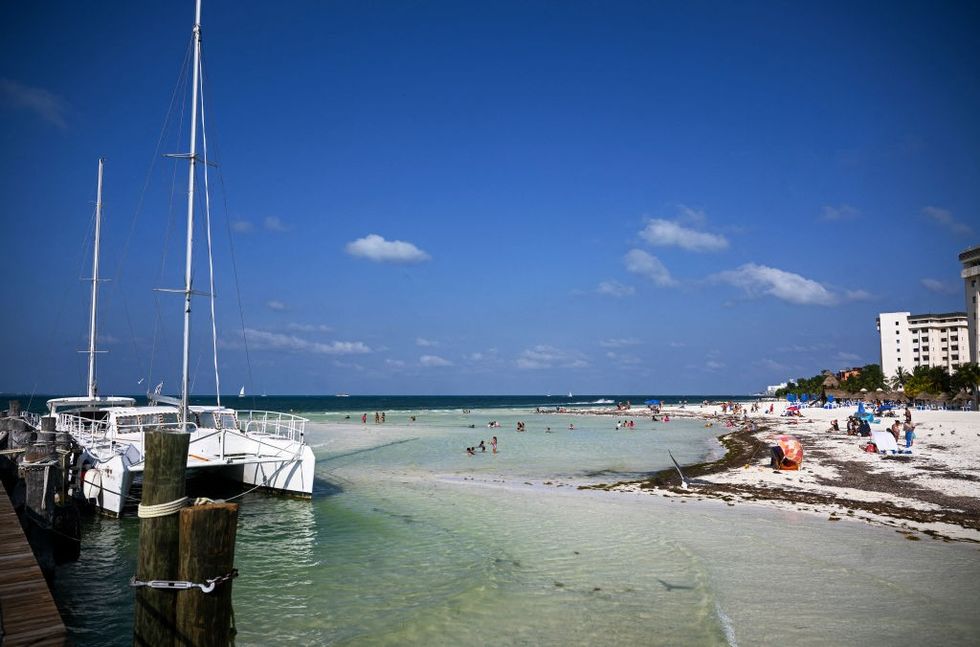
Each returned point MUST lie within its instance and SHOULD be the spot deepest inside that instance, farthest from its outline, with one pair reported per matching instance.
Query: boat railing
(31, 418)
(87, 431)
(273, 423)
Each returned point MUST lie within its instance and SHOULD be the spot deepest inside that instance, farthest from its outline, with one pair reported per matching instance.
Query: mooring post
(207, 551)
(163, 482)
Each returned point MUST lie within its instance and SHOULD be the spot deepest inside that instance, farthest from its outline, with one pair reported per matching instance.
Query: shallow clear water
(410, 541)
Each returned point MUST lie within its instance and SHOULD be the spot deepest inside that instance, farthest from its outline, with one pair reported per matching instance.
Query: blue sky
(503, 197)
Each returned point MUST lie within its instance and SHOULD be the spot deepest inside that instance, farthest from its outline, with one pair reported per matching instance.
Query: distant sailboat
(241, 393)
(570, 394)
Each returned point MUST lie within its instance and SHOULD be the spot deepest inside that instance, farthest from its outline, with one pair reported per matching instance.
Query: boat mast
(92, 388)
(192, 157)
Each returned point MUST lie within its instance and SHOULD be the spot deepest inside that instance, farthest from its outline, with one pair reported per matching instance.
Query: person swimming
(469, 450)
(482, 446)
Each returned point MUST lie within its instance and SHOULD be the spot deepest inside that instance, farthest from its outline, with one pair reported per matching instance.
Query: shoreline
(836, 478)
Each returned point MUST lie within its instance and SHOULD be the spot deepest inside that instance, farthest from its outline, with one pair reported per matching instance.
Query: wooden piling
(207, 550)
(163, 481)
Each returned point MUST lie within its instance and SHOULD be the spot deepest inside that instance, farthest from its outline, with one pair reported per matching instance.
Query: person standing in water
(493, 444)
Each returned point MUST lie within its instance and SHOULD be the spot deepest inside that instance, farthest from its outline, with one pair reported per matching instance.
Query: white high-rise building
(971, 285)
(909, 340)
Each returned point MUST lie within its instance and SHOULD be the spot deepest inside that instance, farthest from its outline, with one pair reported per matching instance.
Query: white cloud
(677, 344)
(840, 212)
(847, 357)
(759, 279)
(395, 363)
(273, 304)
(857, 295)
(347, 365)
(619, 343)
(772, 365)
(620, 358)
(691, 215)
(938, 286)
(712, 365)
(544, 356)
(648, 266)
(242, 226)
(433, 361)
(425, 343)
(275, 223)
(44, 104)
(666, 233)
(945, 218)
(302, 327)
(614, 289)
(375, 248)
(265, 340)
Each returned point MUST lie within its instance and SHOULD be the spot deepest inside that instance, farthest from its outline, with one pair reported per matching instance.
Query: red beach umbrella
(792, 451)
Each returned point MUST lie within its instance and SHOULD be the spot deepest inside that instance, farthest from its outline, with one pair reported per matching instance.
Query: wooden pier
(28, 615)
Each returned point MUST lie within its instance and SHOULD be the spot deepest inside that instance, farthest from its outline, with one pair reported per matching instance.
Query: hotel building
(909, 340)
(971, 278)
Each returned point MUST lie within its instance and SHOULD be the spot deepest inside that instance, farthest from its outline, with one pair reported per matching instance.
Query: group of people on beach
(861, 426)
(471, 451)
(379, 417)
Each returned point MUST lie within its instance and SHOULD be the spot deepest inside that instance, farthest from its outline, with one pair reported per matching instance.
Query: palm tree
(899, 379)
(967, 377)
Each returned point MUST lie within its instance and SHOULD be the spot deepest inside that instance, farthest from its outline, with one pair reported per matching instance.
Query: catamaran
(262, 449)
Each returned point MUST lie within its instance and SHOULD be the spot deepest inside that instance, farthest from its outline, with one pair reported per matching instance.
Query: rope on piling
(144, 511)
(171, 507)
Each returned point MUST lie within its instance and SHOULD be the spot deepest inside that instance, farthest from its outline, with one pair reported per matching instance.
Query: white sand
(945, 461)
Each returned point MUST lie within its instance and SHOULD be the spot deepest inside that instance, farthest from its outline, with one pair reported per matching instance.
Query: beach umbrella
(792, 450)
(791, 397)
(830, 398)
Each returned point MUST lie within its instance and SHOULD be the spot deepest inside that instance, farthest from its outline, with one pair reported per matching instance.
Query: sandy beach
(935, 491)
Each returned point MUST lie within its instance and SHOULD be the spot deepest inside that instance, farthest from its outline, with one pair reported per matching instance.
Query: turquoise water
(410, 541)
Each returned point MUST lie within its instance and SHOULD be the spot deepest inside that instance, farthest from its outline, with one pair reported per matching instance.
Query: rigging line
(181, 82)
(181, 89)
(207, 216)
(63, 301)
(234, 260)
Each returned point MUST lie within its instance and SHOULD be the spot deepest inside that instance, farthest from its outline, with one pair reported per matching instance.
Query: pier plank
(27, 610)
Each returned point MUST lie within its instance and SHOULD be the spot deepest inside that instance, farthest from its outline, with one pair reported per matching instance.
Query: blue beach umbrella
(791, 397)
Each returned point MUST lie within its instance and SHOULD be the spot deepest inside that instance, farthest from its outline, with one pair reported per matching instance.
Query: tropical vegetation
(921, 380)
